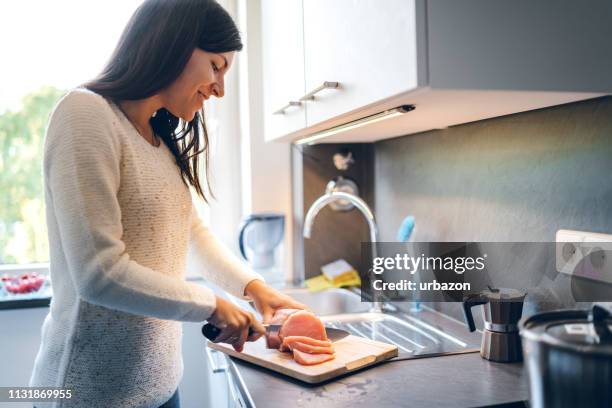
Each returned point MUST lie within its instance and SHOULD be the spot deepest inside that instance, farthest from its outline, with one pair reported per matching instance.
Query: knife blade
(333, 334)
(211, 331)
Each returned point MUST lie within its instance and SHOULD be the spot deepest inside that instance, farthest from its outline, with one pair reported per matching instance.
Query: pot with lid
(568, 354)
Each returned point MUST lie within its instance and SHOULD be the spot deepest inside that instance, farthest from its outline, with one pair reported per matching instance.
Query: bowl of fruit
(28, 282)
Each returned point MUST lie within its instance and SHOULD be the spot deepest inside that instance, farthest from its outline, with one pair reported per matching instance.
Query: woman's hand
(234, 324)
(268, 300)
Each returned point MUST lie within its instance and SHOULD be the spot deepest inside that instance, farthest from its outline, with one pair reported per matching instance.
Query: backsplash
(335, 234)
(515, 178)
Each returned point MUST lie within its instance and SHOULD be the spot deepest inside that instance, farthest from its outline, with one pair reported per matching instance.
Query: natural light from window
(48, 47)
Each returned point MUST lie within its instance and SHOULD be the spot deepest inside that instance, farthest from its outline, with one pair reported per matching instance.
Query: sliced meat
(281, 315)
(287, 341)
(308, 348)
(303, 323)
(311, 359)
(303, 333)
(273, 340)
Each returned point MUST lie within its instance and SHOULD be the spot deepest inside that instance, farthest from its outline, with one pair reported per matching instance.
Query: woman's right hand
(234, 324)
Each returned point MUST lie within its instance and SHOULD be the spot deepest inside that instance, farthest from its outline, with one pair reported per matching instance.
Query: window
(48, 48)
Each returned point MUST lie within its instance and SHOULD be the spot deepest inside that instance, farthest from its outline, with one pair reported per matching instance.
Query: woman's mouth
(202, 96)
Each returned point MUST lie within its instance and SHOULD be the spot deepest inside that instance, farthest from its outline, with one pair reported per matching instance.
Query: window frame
(41, 268)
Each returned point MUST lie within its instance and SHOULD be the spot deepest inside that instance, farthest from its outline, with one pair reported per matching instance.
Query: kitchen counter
(42, 298)
(460, 380)
(464, 380)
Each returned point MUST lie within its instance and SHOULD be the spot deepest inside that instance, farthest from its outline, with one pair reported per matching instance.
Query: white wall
(266, 171)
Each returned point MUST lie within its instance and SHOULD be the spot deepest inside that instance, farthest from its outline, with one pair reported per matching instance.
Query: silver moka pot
(502, 309)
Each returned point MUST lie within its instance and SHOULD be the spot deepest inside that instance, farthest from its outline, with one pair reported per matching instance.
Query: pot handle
(599, 315)
(469, 302)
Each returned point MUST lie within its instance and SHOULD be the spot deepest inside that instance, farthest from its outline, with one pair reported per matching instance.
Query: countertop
(463, 380)
(41, 298)
(460, 380)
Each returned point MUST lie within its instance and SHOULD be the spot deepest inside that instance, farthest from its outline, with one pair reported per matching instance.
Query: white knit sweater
(119, 222)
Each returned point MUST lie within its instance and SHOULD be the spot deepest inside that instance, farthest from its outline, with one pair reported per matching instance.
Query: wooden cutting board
(352, 353)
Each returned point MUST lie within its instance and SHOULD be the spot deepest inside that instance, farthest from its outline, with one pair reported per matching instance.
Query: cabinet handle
(282, 110)
(326, 85)
(211, 359)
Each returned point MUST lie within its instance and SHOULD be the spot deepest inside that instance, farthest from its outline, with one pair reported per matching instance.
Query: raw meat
(303, 323)
(272, 338)
(304, 334)
(307, 340)
(311, 359)
(308, 348)
(281, 315)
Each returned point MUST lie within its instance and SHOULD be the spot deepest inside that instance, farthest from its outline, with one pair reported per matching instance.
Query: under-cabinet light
(377, 117)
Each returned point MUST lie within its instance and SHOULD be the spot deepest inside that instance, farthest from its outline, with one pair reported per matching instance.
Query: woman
(117, 175)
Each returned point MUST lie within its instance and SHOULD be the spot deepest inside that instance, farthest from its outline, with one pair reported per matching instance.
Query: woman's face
(201, 78)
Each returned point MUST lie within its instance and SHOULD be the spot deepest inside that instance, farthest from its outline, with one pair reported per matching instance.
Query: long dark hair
(152, 52)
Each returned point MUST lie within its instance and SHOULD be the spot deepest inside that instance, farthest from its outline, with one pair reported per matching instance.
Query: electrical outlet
(584, 254)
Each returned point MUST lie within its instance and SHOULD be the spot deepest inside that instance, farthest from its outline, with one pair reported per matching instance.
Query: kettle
(260, 234)
(502, 311)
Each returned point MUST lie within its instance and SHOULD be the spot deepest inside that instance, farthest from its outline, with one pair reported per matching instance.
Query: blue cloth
(405, 229)
(173, 402)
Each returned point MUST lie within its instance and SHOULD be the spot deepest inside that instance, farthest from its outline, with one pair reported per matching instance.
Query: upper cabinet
(367, 47)
(283, 66)
(332, 64)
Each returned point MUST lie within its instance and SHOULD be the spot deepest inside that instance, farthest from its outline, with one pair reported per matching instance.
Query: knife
(211, 331)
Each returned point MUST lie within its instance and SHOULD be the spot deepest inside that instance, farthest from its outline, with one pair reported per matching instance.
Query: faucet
(361, 206)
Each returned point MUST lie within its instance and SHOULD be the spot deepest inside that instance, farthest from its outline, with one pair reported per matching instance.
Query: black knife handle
(210, 331)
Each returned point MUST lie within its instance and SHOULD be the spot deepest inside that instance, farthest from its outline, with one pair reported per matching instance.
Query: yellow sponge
(340, 272)
(335, 275)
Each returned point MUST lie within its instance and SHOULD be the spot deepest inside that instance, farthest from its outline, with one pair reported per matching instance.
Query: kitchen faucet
(365, 210)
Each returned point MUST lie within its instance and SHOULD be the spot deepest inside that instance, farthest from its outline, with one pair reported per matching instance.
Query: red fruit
(24, 286)
(26, 283)
(38, 281)
(31, 284)
(12, 287)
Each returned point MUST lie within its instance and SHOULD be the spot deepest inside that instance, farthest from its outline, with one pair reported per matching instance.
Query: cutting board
(352, 353)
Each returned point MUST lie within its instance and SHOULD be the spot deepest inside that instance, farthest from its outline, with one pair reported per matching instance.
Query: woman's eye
(215, 69)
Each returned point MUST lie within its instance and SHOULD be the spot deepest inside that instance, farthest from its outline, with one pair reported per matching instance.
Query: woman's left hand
(268, 300)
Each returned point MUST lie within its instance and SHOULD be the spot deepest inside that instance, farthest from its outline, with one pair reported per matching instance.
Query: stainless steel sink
(413, 336)
(426, 333)
(422, 334)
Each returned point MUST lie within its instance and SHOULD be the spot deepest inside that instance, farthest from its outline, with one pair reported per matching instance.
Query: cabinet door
(368, 46)
(283, 66)
(19, 341)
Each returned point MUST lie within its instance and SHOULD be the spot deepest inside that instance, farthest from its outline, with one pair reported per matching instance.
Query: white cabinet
(454, 61)
(367, 46)
(283, 66)
(19, 342)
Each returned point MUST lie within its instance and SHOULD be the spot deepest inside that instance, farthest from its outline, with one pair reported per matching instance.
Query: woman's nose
(218, 89)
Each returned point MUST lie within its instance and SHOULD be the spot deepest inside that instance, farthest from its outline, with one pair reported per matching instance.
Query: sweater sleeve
(221, 266)
(82, 174)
